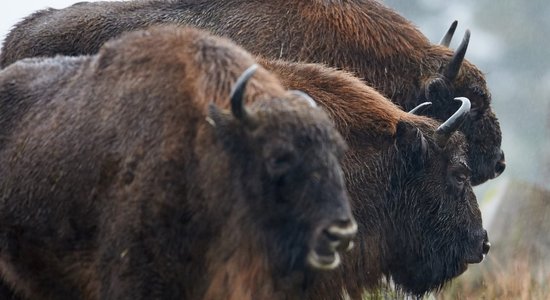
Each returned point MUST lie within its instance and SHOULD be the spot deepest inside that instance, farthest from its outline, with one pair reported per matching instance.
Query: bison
(140, 173)
(409, 184)
(362, 36)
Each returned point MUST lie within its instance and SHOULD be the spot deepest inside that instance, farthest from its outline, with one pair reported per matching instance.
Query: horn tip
(305, 97)
(454, 24)
(467, 34)
(419, 107)
(466, 102)
(252, 68)
(237, 94)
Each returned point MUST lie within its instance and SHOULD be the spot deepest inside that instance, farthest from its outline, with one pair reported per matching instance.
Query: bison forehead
(301, 129)
(302, 134)
(456, 143)
(284, 113)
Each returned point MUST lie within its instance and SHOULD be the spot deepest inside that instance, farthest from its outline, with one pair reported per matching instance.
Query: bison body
(418, 218)
(127, 177)
(419, 221)
(362, 36)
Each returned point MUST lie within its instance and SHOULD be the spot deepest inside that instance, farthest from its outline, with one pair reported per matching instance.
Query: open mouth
(323, 260)
(324, 255)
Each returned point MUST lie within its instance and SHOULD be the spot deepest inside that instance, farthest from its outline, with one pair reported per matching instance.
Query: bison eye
(459, 176)
(280, 163)
(458, 180)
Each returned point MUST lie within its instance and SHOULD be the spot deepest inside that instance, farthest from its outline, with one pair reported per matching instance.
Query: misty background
(508, 45)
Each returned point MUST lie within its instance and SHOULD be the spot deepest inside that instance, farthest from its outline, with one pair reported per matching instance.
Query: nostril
(499, 167)
(343, 229)
(501, 164)
(340, 234)
(486, 247)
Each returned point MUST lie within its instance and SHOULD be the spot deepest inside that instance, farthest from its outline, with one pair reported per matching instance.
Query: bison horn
(446, 40)
(445, 130)
(305, 96)
(419, 108)
(454, 66)
(237, 94)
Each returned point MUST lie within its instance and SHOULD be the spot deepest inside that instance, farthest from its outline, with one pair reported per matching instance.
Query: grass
(519, 279)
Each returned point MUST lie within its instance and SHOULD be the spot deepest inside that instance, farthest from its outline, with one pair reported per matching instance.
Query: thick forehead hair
(456, 149)
(456, 145)
(293, 112)
(298, 119)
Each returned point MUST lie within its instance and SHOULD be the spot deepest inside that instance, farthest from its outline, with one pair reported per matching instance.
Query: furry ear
(225, 127)
(217, 117)
(411, 142)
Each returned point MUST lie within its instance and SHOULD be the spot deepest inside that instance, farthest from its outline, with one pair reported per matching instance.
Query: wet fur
(413, 224)
(361, 36)
(395, 189)
(115, 186)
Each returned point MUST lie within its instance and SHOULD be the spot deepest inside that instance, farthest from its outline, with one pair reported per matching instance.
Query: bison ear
(437, 91)
(217, 117)
(410, 141)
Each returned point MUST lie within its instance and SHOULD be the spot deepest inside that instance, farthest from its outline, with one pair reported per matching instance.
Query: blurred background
(510, 44)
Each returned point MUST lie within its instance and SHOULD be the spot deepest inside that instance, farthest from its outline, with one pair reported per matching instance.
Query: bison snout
(500, 165)
(480, 248)
(486, 245)
(329, 241)
(342, 234)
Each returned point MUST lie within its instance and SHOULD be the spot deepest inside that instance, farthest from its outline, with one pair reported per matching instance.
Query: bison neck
(243, 270)
(371, 190)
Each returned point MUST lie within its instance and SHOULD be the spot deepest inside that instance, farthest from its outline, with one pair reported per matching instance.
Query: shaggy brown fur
(418, 223)
(116, 186)
(362, 36)
(418, 218)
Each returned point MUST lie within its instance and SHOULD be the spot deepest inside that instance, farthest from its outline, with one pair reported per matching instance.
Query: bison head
(290, 160)
(434, 227)
(459, 78)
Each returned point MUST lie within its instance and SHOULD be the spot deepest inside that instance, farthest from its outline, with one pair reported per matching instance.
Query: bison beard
(137, 174)
(361, 36)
